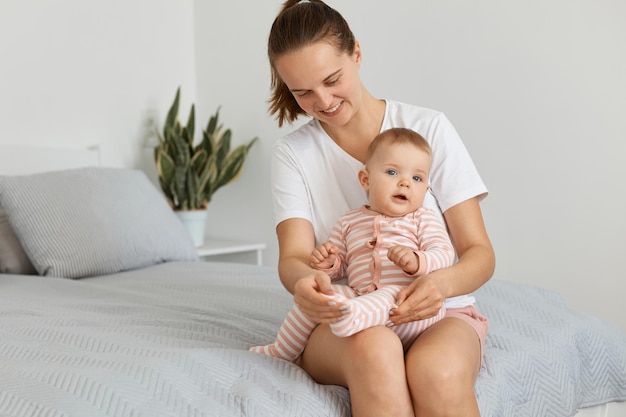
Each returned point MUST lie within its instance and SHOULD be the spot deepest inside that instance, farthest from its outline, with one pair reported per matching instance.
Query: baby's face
(396, 179)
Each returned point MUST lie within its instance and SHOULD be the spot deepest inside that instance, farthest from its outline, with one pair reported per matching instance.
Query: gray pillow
(13, 260)
(93, 221)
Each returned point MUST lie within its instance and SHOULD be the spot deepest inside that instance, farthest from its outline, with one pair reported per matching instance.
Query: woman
(315, 63)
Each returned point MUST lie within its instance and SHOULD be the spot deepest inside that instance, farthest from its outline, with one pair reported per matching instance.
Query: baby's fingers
(329, 248)
(317, 256)
(399, 255)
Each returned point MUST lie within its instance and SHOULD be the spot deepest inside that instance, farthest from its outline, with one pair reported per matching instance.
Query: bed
(105, 310)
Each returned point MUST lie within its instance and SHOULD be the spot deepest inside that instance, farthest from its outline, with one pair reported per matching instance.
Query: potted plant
(189, 174)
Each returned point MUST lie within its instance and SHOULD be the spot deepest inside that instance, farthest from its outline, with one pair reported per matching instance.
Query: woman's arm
(477, 259)
(476, 265)
(296, 241)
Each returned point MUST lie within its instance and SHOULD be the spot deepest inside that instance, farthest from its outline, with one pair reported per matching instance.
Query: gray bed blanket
(172, 340)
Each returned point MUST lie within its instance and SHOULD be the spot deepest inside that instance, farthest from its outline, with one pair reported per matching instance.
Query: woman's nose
(324, 99)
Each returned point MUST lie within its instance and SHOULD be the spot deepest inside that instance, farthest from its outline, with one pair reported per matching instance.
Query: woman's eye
(417, 178)
(332, 82)
(392, 172)
(303, 94)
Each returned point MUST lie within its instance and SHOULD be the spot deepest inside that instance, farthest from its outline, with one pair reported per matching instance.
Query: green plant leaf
(165, 170)
(213, 121)
(194, 199)
(207, 143)
(172, 114)
(179, 188)
(250, 144)
(199, 159)
(191, 124)
(232, 166)
(223, 148)
(204, 175)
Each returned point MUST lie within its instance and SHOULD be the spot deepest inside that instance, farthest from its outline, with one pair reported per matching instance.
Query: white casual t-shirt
(314, 179)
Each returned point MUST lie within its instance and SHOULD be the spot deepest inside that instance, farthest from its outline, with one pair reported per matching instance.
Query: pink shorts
(471, 316)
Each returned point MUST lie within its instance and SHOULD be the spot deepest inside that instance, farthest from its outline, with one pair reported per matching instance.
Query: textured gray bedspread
(172, 340)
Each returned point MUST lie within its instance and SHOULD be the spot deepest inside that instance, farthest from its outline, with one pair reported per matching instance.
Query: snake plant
(190, 174)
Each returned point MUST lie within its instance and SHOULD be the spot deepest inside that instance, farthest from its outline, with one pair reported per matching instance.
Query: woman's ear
(364, 179)
(357, 53)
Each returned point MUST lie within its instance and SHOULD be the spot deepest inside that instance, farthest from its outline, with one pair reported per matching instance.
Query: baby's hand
(405, 258)
(324, 256)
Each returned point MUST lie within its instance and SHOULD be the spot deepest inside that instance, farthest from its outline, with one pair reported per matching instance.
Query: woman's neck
(355, 136)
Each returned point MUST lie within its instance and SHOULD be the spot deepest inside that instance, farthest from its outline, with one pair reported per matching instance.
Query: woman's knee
(376, 375)
(377, 350)
(442, 365)
(339, 360)
(436, 372)
(374, 343)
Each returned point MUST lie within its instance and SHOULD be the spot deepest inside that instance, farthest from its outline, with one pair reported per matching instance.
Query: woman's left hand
(420, 300)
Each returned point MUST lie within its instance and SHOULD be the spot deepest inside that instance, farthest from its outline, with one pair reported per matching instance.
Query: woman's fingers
(327, 311)
(420, 300)
(313, 297)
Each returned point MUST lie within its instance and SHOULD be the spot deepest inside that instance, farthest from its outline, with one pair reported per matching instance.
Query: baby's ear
(364, 179)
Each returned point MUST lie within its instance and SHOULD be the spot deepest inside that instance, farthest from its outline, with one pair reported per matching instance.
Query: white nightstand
(231, 251)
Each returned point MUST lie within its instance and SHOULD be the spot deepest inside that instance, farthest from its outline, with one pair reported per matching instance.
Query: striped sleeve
(436, 250)
(337, 238)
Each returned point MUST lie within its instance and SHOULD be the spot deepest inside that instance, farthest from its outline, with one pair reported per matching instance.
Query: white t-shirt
(314, 179)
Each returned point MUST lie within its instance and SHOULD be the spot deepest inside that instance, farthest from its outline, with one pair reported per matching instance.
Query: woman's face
(324, 81)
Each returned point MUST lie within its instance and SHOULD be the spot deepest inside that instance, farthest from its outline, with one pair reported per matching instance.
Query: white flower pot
(195, 222)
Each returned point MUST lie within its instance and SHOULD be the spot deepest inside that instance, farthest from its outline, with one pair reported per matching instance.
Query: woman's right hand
(311, 289)
(313, 294)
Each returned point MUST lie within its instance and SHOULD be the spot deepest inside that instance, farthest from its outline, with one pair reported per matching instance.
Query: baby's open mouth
(400, 197)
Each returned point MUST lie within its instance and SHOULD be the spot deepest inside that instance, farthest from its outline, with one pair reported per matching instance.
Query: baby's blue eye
(417, 178)
(392, 172)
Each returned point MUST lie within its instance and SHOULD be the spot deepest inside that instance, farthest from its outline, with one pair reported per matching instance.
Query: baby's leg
(296, 329)
(408, 332)
(293, 336)
(366, 311)
(372, 309)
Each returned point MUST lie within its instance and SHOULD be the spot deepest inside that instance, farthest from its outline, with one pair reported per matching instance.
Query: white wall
(536, 89)
(77, 73)
(231, 45)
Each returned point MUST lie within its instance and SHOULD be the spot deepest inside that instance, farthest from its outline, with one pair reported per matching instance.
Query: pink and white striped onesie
(363, 238)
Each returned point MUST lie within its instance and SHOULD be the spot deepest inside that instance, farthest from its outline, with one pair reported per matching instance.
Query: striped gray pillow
(93, 221)
(13, 260)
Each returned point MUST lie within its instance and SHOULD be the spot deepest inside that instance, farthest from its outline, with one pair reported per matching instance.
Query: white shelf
(215, 247)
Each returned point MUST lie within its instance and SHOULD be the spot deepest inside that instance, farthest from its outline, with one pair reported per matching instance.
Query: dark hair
(397, 135)
(297, 25)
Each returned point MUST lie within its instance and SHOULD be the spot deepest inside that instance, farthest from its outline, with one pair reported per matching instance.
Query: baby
(381, 247)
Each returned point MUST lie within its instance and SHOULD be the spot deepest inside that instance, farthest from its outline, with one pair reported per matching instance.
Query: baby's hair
(300, 24)
(397, 135)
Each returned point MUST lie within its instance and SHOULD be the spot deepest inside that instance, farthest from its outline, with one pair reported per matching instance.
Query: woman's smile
(332, 110)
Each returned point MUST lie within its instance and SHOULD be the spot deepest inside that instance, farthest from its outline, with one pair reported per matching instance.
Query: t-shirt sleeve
(289, 193)
(454, 177)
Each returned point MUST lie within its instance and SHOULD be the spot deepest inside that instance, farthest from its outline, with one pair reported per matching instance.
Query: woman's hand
(311, 288)
(312, 294)
(420, 300)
